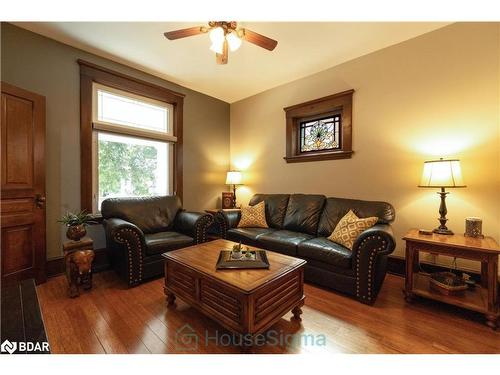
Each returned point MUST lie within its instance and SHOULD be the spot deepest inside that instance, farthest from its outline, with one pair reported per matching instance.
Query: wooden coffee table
(243, 301)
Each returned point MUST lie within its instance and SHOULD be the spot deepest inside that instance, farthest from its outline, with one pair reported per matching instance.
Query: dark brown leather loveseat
(139, 230)
(299, 225)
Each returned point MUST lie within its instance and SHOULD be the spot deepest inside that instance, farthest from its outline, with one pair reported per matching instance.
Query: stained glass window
(320, 134)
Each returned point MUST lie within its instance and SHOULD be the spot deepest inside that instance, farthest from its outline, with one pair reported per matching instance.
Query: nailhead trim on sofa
(373, 254)
(133, 280)
(201, 228)
(219, 217)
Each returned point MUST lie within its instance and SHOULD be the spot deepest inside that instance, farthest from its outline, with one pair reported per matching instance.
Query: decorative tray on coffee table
(258, 259)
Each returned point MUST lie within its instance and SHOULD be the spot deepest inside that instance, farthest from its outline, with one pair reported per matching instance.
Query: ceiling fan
(224, 36)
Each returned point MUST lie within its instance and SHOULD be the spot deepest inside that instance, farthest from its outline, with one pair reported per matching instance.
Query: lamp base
(234, 196)
(443, 231)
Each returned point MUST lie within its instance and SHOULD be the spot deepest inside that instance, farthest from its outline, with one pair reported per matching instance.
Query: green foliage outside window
(126, 165)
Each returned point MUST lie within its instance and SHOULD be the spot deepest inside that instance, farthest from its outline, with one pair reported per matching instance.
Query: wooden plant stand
(69, 247)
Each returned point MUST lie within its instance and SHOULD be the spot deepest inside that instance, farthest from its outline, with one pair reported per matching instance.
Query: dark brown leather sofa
(299, 225)
(139, 230)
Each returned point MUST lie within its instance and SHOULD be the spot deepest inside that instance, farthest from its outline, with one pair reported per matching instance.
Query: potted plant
(236, 252)
(76, 223)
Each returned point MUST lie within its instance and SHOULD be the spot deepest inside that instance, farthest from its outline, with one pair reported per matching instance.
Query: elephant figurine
(79, 270)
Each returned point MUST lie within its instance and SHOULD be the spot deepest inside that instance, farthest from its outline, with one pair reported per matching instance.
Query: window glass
(132, 167)
(129, 111)
(320, 134)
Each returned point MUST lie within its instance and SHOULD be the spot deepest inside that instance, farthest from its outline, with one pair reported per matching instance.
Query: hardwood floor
(113, 319)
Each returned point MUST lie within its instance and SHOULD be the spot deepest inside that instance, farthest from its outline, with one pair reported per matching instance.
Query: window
(131, 137)
(127, 110)
(132, 145)
(321, 134)
(319, 129)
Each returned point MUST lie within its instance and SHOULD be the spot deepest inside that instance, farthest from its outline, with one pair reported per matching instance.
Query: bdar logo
(9, 347)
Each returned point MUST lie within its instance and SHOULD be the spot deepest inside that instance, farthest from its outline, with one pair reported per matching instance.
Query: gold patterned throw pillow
(253, 216)
(350, 227)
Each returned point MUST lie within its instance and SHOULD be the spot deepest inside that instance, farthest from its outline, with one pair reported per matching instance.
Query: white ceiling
(303, 48)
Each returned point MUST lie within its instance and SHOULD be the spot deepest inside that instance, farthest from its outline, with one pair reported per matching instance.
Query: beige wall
(433, 96)
(49, 68)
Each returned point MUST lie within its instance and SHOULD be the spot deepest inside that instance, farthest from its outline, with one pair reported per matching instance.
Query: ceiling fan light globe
(217, 48)
(216, 35)
(233, 41)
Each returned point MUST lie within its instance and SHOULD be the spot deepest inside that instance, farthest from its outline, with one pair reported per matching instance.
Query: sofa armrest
(128, 239)
(369, 247)
(193, 224)
(227, 220)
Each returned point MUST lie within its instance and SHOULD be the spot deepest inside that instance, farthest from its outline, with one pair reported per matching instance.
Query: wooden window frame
(91, 73)
(340, 103)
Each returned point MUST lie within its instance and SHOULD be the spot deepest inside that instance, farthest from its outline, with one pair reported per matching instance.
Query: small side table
(84, 244)
(69, 247)
(483, 298)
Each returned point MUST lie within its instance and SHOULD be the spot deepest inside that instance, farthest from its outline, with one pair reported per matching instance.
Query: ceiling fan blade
(183, 33)
(259, 40)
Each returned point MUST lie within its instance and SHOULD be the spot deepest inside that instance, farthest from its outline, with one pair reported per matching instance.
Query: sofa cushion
(350, 227)
(275, 207)
(282, 241)
(323, 250)
(253, 216)
(161, 242)
(242, 234)
(336, 208)
(303, 213)
(150, 214)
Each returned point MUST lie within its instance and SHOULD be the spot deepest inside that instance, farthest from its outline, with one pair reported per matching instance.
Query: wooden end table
(482, 298)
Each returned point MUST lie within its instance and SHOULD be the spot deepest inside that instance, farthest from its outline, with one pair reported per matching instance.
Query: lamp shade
(442, 174)
(233, 178)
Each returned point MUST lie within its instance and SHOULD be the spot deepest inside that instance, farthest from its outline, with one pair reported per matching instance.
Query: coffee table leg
(297, 311)
(170, 297)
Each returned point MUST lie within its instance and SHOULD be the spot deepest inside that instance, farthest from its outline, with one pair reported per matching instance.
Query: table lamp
(442, 174)
(233, 178)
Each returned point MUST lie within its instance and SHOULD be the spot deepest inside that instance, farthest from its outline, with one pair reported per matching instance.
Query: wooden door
(22, 207)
